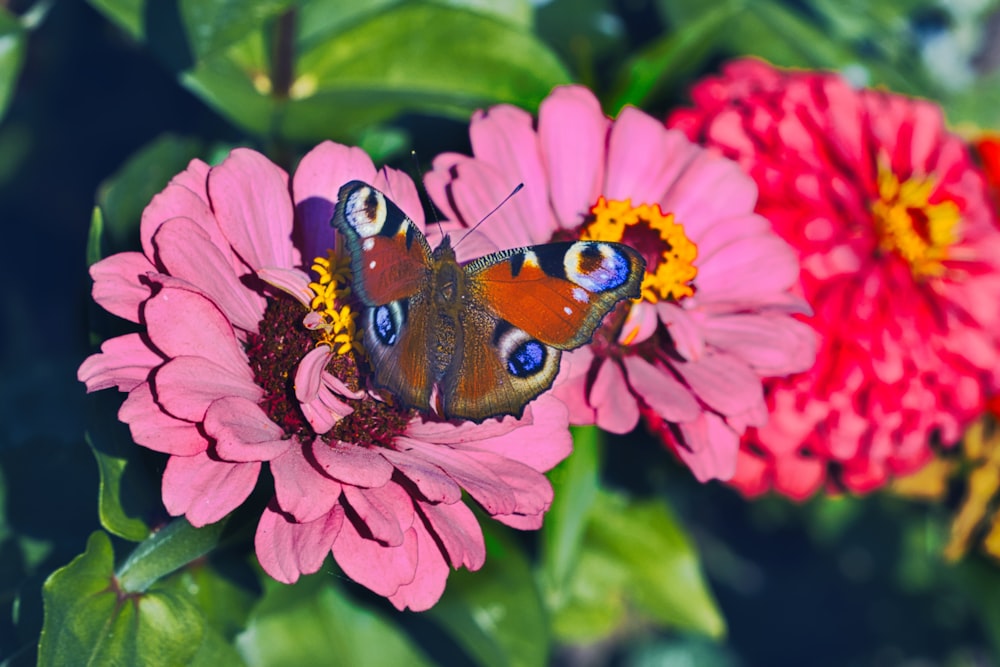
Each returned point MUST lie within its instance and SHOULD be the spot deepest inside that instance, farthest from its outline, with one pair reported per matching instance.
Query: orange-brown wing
(398, 343)
(496, 369)
(557, 293)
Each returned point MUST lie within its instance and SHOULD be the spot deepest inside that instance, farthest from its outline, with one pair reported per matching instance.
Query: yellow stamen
(671, 274)
(907, 223)
(339, 327)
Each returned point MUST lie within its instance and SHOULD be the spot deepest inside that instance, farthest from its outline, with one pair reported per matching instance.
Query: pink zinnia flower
(900, 255)
(230, 373)
(714, 314)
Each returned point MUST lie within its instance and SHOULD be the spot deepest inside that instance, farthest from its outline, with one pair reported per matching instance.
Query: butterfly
(480, 339)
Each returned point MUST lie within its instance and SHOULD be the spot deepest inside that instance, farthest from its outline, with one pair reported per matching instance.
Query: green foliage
(607, 558)
(496, 613)
(91, 619)
(315, 623)
(329, 69)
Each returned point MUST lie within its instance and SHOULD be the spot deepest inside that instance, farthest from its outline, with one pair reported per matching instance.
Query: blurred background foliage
(638, 564)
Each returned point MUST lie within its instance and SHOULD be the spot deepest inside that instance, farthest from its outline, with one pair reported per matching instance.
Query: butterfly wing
(390, 258)
(391, 267)
(557, 293)
(523, 308)
(499, 370)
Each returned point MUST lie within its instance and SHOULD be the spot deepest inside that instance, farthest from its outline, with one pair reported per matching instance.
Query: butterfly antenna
(422, 190)
(495, 209)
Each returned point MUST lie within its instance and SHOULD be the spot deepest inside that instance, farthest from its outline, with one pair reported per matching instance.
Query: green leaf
(666, 61)
(313, 622)
(412, 57)
(124, 195)
(127, 14)
(212, 25)
(224, 586)
(89, 620)
(176, 545)
(128, 502)
(574, 482)
(13, 41)
(496, 613)
(978, 104)
(593, 604)
(95, 237)
(115, 518)
(980, 580)
(664, 575)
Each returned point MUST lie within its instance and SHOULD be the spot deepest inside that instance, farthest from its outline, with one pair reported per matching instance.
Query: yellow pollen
(339, 322)
(670, 276)
(907, 223)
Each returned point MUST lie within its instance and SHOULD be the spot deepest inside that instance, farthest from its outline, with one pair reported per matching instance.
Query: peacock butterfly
(480, 339)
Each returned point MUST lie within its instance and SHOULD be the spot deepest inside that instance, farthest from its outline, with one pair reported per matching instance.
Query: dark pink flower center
(275, 352)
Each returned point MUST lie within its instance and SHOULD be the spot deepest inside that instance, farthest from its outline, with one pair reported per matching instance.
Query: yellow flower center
(907, 223)
(338, 326)
(669, 253)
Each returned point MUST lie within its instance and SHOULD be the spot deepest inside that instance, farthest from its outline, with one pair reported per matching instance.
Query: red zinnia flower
(900, 256)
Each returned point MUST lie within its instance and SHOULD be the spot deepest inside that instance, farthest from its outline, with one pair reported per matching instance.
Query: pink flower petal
(448, 433)
(685, 331)
(504, 137)
(746, 269)
(352, 464)
(318, 178)
(180, 201)
(293, 282)
(549, 421)
(205, 490)
(431, 481)
(153, 428)
(401, 189)
(471, 189)
(571, 386)
(572, 133)
(244, 432)
(723, 382)
(300, 489)
(658, 389)
(694, 196)
(478, 480)
(119, 286)
(616, 407)
(386, 511)
(532, 491)
(457, 528)
(711, 447)
(186, 386)
(380, 568)
(772, 344)
(640, 323)
(428, 579)
(124, 362)
(644, 158)
(193, 178)
(287, 550)
(251, 202)
(203, 331)
(187, 253)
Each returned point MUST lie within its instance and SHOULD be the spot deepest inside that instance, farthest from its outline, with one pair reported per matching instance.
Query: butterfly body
(475, 340)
